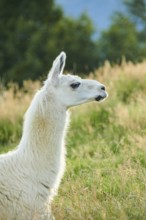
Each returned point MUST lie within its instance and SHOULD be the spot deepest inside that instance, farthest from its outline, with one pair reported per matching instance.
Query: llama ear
(57, 67)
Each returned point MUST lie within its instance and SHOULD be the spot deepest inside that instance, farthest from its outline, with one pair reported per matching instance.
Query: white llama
(31, 174)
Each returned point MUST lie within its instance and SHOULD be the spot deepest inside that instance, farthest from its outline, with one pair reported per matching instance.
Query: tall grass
(105, 177)
(13, 104)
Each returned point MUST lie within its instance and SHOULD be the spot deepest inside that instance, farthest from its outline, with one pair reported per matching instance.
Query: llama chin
(31, 174)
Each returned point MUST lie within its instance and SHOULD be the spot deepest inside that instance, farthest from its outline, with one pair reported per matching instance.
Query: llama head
(70, 90)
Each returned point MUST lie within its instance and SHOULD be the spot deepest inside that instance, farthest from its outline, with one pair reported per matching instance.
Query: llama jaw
(100, 98)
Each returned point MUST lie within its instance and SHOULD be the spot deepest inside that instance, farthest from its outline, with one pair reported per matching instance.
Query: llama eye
(75, 85)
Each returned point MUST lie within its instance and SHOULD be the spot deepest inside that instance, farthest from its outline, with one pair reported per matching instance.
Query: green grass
(10, 133)
(106, 171)
(105, 176)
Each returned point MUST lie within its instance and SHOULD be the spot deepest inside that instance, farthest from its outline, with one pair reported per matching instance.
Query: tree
(137, 11)
(23, 24)
(137, 8)
(34, 32)
(119, 40)
(75, 37)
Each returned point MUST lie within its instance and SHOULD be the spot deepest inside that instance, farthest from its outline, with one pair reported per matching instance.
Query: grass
(105, 175)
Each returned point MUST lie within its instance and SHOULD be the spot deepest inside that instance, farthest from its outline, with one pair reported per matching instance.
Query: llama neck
(44, 127)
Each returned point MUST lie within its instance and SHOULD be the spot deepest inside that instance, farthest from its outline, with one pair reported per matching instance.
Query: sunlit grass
(105, 176)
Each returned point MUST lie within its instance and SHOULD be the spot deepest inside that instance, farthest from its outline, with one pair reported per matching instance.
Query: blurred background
(32, 33)
(104, 40)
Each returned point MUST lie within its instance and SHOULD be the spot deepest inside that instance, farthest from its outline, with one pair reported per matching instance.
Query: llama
(30, 175)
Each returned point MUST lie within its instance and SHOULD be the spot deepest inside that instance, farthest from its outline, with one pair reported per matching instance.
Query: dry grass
(106, 161)
(14, 101)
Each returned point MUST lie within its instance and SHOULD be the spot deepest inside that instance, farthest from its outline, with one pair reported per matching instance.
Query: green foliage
(75, 36)
(126, 35)
(119, 40)
(137, 8)
(32, 35)
(137, 11)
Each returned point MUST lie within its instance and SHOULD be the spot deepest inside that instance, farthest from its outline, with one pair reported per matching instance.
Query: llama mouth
(99, 98)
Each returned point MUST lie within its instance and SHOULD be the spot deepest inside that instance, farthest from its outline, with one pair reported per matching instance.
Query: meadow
(105, 176)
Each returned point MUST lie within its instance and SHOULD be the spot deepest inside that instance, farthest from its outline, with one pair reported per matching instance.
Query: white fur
(31, 174)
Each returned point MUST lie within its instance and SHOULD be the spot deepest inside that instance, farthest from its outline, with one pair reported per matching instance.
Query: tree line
(32, 33)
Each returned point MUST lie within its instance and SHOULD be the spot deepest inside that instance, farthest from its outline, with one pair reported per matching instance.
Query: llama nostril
(103, 88)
